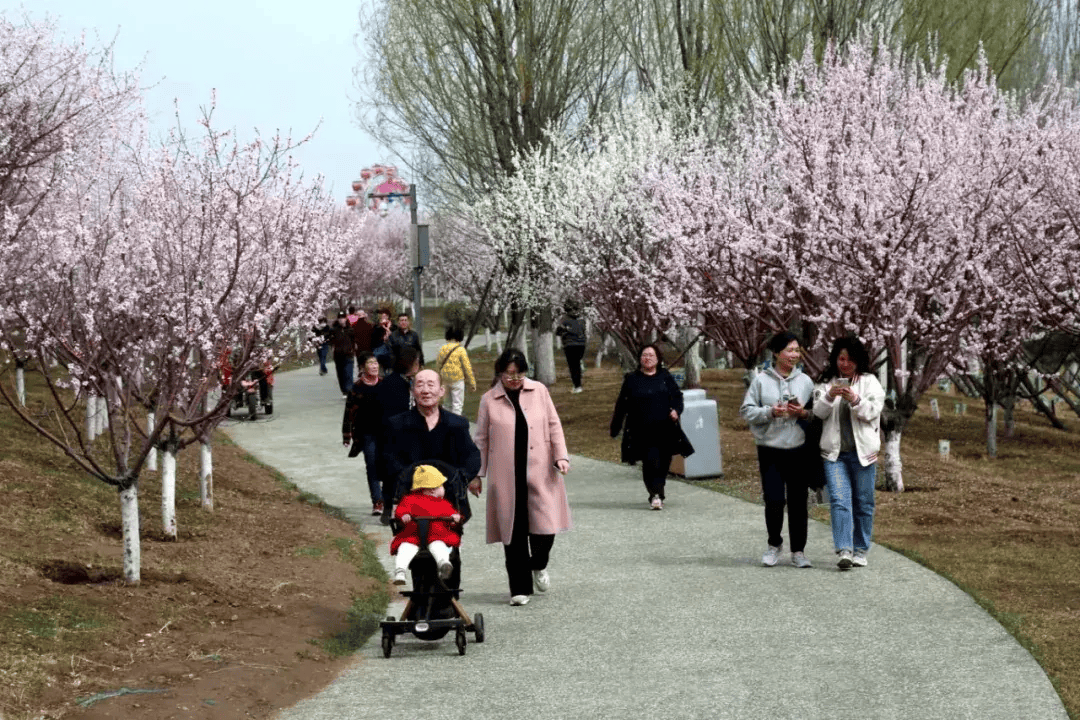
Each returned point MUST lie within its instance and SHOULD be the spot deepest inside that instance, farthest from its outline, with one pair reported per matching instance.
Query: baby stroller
(432, 609)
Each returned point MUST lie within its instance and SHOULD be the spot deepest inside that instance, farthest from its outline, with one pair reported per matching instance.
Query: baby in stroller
(427, 499)
(430, 520)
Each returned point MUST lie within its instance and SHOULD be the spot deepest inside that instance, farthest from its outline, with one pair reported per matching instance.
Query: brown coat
(549, 511)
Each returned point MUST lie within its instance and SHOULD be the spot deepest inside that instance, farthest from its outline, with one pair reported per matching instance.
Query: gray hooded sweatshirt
(765, 390)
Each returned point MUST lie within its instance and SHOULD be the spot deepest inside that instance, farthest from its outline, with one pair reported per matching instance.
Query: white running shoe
(399, 576)
(845, 560)
(541, 581)
(771, 556)
(519, 600)
(799, 560)
(656, 503)
(859, 558)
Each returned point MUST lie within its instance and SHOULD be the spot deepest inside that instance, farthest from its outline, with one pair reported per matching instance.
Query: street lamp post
(418, 251)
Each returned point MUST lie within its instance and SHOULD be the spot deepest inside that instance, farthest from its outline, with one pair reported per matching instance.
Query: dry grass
(69, 628)
(1003, 530)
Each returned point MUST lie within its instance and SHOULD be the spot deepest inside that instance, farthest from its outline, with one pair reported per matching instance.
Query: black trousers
(655, 464)
(783, 475)
(527, 551)
(574, 354)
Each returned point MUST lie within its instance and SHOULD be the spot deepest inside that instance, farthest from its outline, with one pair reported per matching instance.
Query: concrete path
(661, 614)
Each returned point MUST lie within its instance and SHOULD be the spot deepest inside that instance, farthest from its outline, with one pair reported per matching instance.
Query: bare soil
(254, 608)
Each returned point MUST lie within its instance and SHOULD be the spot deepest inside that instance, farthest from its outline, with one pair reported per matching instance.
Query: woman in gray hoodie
(774, 402)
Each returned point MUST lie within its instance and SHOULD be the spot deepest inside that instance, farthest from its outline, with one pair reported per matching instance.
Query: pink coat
(549, 511)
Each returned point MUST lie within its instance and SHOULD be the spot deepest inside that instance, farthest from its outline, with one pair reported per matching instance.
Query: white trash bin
(699, 422)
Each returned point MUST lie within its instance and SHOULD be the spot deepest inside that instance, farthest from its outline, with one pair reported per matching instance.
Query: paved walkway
(661, 614)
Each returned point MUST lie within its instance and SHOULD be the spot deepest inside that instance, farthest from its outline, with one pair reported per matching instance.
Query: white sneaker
(799, 560)
(859, 558)
(845, 560)
(771, 556)
(399, 576)
(656, 503)
(576, 390)
(541, 581)
(519, 600)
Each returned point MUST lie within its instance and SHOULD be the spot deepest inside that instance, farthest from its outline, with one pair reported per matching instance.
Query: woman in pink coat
(523, 455)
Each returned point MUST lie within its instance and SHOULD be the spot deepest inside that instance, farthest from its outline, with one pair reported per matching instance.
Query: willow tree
(467, 87)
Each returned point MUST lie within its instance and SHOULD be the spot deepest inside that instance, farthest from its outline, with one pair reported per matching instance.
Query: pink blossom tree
(377, 264)
(139, 270)
(871, 194)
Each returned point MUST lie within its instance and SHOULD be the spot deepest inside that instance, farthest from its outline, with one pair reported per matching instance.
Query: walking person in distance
(571, 330)
(452, 363)
(647, 413)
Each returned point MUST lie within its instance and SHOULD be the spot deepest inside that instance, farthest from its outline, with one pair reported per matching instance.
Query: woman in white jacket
(849, 400)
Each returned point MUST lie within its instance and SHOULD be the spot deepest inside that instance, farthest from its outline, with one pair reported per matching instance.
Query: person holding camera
(849, 399)
(775, 407)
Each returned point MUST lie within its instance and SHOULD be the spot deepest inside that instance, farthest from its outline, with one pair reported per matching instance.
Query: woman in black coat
(650, 403)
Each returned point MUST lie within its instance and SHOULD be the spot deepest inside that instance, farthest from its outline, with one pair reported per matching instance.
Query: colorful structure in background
(379, 180)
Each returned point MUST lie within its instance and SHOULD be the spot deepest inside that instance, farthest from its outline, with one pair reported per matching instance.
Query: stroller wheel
(387, 643)
(460, 641)
(478, 627)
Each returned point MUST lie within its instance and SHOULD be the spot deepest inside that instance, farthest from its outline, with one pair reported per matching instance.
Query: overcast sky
(276, 65)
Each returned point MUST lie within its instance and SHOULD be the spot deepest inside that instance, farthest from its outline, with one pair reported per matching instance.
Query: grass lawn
(1004, 530)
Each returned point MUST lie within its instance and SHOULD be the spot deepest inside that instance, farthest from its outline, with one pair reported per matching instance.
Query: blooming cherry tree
(149, 265)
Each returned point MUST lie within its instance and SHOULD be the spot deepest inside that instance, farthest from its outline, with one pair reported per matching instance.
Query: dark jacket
(321, 333)
(362, 336)
(399, 339)
(644, 406)
(394, 397)
(408, 441)
(572, 331)
(341, 339)
(365, 414)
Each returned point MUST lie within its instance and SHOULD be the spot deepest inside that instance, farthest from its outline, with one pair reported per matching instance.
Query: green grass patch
(368, 609)
(30, 627)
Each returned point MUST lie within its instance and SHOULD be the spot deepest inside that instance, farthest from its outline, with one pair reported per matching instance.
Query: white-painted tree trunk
(692, 360)
(103, 409)
(487, 338)
(20, 386)
(894, 468)
(168, 493)
(91, 421)
(600, 350)
(545, 357)
(206, 476)
(129, 523)
(991, 430)
(544, 348)
(152, 457)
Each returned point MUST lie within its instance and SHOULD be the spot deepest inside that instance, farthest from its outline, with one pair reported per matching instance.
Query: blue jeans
(324, 350)
(344, 366)
(851, 501)
(371, 457)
